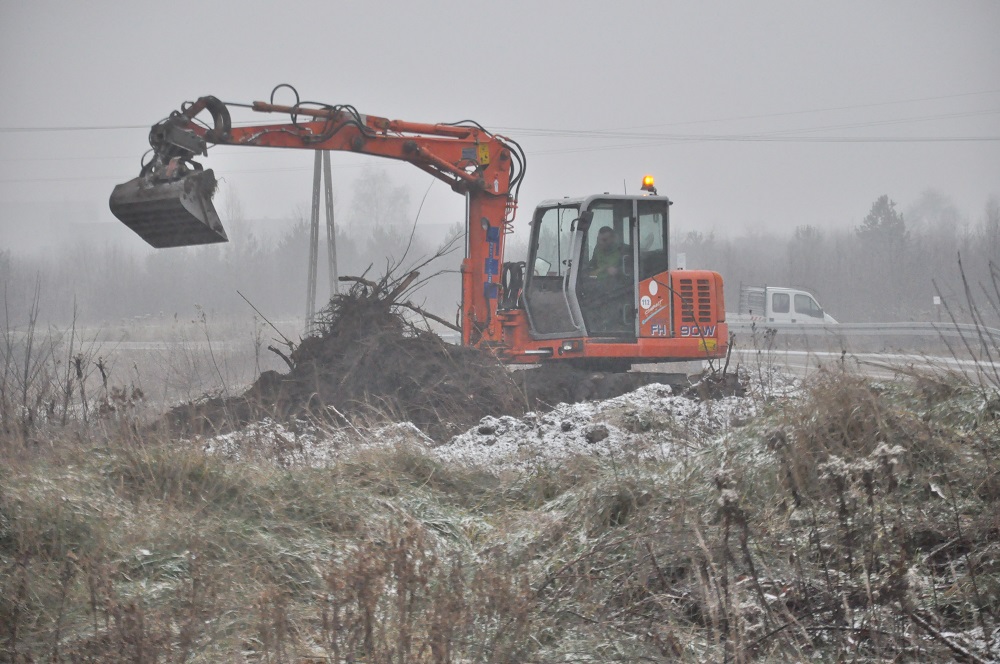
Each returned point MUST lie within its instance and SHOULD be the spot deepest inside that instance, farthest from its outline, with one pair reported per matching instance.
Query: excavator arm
(170, 204)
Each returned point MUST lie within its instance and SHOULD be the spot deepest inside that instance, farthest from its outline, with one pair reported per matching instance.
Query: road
(876, 365)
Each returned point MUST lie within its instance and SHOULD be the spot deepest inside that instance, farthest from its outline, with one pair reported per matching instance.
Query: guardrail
(969, 332)
(928, 331)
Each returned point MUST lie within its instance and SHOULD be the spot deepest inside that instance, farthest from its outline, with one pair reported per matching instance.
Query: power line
(637, 139)
(787, 113)
(664, 140)
(788, 134)
(774, 139)
(118, 178)
(18, 130)
(28, 130)
(25, 130)
(217, 152)
(617, 134)
(66, 128)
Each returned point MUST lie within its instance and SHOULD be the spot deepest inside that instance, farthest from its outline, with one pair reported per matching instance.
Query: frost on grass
(307, 444)
(856, 521)
(651, 422)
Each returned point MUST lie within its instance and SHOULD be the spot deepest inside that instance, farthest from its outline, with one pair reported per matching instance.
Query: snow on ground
(648, 423)
(307, 444)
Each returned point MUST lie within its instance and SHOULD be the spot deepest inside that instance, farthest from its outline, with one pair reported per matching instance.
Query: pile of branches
(371, 358)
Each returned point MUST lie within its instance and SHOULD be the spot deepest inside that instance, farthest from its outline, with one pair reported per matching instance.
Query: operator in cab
(606, 261)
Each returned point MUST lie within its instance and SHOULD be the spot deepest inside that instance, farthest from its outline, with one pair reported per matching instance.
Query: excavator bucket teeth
(178, 213)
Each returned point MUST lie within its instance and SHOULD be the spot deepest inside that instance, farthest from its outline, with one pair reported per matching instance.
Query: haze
(753, 116)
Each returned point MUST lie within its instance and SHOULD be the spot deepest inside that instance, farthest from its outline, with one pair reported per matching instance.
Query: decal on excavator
(696, 331)
(491, 266)
(660, 306)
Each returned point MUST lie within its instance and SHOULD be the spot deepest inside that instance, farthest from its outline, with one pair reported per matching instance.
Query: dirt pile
(366, 362)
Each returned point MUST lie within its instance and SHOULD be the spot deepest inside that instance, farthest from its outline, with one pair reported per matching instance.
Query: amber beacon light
(648, 184)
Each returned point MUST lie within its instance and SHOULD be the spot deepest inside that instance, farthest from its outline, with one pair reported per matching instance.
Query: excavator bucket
(175, 213)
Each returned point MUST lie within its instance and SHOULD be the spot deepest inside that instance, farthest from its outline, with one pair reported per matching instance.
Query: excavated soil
(368, 365)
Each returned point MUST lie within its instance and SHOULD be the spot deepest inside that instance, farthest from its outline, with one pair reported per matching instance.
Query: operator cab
(586, 262)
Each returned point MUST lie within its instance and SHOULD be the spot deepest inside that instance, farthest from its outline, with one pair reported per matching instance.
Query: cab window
(805, 305)
(552, 255)
(610, 217)
(780, 303)
(652, 235)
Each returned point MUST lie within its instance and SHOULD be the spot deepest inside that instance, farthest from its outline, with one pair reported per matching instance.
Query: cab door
(654, 290)
(606, 280)
(552, 311)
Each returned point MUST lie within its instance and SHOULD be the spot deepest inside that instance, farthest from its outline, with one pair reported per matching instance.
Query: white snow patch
(647, 423)
(651, 422)
(307, 444)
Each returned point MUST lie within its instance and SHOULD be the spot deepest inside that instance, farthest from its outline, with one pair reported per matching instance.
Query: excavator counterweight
(170, 213)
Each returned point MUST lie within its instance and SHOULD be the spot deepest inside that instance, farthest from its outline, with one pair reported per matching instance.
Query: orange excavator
(596, 289)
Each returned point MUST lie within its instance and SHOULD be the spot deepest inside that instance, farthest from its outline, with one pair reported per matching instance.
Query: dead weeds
(847, 526)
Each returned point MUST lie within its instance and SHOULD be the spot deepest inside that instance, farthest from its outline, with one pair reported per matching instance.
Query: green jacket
(602, 260)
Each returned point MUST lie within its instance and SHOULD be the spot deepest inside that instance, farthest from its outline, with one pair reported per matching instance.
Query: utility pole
(321, 169)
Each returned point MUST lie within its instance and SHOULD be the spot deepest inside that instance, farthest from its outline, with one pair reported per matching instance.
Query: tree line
(108, 284)
(888, 267)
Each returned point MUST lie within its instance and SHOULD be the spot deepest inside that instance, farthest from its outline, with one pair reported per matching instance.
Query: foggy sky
(694, 86)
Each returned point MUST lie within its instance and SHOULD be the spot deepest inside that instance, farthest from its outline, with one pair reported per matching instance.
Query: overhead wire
(232, 171)
(679, 123)
(764, 116)
(570, 133)
(776, 136)
(625, 135)
(774, 139)
(636, 139)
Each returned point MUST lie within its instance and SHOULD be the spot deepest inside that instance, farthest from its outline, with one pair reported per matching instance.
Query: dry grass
(857, 522)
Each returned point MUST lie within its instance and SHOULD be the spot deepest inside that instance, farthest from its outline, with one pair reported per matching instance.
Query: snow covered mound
(649, 422)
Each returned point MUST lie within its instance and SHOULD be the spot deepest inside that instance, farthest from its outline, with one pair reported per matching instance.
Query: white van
(775, 304)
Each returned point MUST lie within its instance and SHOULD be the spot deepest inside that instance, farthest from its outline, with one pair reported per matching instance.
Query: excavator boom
(170, 203)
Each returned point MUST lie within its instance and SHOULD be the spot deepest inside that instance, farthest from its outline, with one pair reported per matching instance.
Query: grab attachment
(170, 203)
(170, 213)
